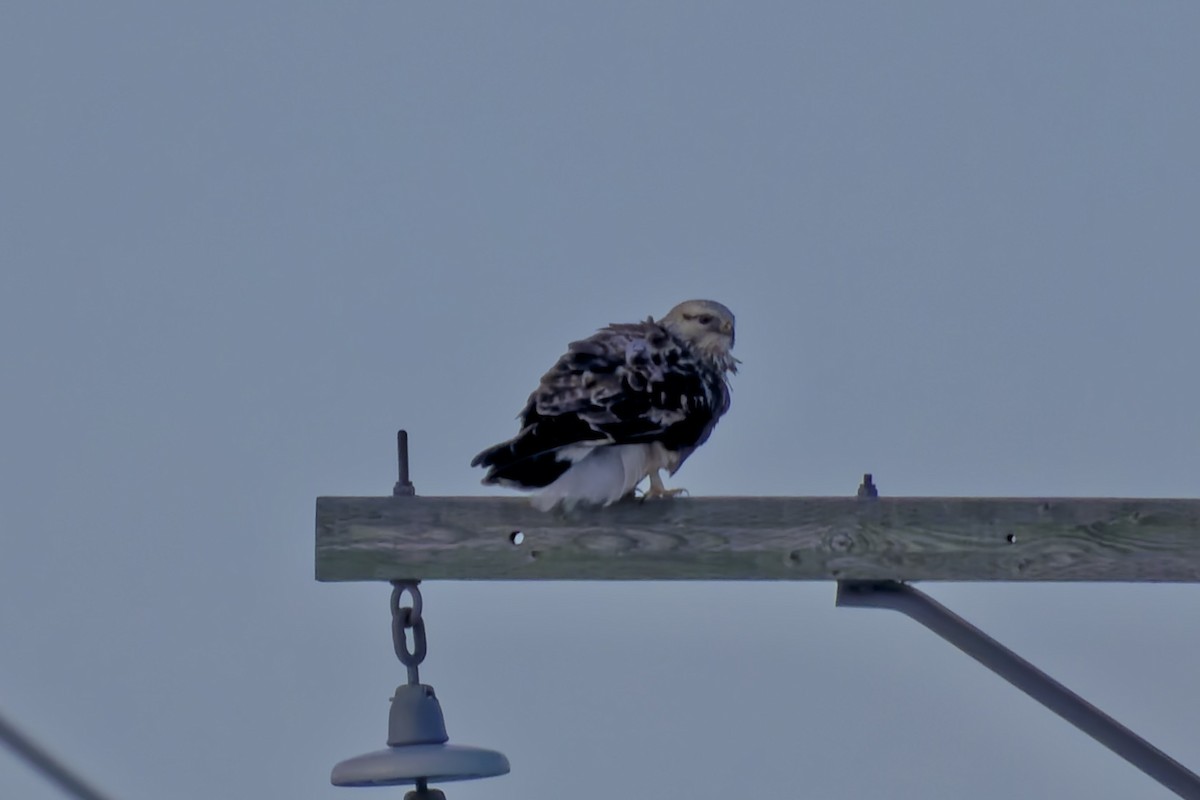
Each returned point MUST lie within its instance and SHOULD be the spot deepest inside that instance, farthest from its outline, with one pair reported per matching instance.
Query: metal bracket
(1025, 676)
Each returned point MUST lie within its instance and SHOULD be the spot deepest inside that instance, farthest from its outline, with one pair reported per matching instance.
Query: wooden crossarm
(761, 538)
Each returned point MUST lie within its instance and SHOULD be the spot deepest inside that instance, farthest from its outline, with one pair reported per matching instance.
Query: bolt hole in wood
(516, 537)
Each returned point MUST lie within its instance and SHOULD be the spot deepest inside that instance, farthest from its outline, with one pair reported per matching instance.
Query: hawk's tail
(520, 463)
(533, 458)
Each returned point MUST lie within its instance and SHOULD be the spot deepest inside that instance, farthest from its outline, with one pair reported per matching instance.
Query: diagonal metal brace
(1025, 676)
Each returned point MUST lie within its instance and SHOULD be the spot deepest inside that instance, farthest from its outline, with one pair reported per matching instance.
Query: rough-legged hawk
(619, 406)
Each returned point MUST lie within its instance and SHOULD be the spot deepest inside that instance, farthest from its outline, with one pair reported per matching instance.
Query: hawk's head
(706, 326)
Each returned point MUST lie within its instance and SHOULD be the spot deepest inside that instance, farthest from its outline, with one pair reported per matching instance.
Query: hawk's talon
(658, 493)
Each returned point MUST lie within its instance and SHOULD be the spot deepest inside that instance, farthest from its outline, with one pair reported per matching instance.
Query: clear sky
(242, 243)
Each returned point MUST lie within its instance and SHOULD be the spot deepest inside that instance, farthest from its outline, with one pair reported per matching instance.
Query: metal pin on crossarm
(404, 487)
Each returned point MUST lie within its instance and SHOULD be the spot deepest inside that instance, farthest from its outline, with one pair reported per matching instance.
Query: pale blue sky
(242, 243)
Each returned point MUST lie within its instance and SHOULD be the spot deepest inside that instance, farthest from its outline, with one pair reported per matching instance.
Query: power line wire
(48, 765)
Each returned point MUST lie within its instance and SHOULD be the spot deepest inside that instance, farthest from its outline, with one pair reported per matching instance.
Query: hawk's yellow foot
(657, 489)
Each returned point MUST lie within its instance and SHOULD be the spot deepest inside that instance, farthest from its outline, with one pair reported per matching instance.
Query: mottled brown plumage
(619, 406)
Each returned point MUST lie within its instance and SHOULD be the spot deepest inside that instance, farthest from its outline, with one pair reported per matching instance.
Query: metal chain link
(403, 619)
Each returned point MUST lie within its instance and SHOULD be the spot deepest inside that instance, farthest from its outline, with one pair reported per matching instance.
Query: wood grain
(761, 538)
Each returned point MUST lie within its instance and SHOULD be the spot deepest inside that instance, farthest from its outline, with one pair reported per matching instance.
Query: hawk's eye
(705, 319)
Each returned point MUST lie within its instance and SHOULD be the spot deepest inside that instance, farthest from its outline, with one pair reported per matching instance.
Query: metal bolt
(403, 487)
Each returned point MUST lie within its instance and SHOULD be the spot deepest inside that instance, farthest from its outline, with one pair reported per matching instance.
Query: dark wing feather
(626, 384)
